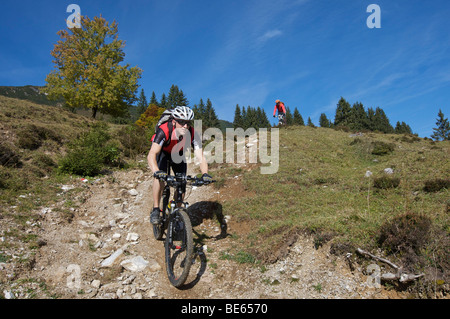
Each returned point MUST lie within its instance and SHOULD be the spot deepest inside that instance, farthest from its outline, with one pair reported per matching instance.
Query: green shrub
(135, 140)
(44, 162)
(406, 234)
(8, 157)
(386, 182)
(31, 136)
(436, 185)
(382, 148)
(89, 154)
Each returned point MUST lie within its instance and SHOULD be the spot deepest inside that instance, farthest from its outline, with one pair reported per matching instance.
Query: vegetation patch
(91, 152)
(135, 140)
(386, 182)
(8, 157)
(421, 246)
(436, 185)
(32, 136)
(382, 148)
(405, 234)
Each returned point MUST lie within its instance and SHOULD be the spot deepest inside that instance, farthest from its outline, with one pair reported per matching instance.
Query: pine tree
(298, 119)
(211, 119)
(238, 120)
(442, 131)
(343, 111)
(370, 119)
(310, 123)
(289, 117)
(245, 121)
(402, 128)
(251, 117)
(381, 122)
(323, 121)
(142, 103)
(201, 109)
(153, 99)
(262, 119)
(163, 102)
(176, 97)
(358, 117)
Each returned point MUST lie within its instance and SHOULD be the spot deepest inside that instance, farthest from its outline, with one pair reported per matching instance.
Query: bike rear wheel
(179, 247)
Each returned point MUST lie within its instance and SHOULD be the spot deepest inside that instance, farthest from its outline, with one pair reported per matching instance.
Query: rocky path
(106, 250)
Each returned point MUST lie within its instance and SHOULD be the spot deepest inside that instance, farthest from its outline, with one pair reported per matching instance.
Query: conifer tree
(402, 128)
(201, 109)
(289, 117)
(163, 103)
(250, 117)
(310, 123)
(358, 117)
(176, 97)
(263, 120)
(370, 119)
(343, 111)
(442, 131)
(245, 122)
(153, 99)
(238, 120)
(323, 121)
(211, 119)
(142, 103)
(381, 122)
(298, 119)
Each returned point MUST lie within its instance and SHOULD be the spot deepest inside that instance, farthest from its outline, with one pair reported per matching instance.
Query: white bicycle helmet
(183, 113)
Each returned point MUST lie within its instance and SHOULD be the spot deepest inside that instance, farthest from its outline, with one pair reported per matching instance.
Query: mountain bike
(281, 119)
(179, 244)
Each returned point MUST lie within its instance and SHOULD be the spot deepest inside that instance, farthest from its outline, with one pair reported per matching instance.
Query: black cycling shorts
(163, 160)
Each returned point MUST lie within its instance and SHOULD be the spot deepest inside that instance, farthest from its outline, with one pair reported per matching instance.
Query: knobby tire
(179, 247)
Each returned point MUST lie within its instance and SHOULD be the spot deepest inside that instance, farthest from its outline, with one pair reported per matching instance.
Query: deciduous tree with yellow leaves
(87, 70)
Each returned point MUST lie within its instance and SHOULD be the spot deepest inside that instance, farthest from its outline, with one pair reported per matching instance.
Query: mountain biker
(169, 142)
(281, 109)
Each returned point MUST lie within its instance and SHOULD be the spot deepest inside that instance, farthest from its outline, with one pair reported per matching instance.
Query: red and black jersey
(280, 107)
(166, 137)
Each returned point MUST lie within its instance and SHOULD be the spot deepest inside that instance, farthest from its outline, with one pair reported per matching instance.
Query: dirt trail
(113, 220)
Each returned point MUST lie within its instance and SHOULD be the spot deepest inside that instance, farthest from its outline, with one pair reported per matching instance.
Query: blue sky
(307, 53)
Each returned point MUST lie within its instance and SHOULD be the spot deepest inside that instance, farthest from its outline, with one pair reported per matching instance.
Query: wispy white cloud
(269, 35)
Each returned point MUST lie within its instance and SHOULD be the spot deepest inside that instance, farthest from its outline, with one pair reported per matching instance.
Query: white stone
(133, 192)
(132, 237)
(135, 264)
(95, 283)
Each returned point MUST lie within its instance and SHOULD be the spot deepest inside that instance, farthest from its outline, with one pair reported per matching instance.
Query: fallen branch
(400, 275)
(363, 252)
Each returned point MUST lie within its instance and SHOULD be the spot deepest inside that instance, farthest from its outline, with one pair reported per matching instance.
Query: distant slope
(28, 92)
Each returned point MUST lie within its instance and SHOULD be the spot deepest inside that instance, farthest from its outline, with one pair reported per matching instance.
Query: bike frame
(281, 119)
(175, 204)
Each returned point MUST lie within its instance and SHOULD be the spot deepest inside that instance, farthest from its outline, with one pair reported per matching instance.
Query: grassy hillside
(28, 92)
(322, 189)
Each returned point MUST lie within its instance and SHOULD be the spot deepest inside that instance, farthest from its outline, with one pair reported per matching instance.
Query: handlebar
(175, 181)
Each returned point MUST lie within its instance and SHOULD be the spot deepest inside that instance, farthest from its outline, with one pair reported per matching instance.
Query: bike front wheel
(179, 247)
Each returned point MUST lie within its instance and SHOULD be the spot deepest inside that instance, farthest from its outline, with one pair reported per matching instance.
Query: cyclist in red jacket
(168, 144)
(281, 111)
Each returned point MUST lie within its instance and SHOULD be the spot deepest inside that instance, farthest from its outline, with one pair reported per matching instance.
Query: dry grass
(322, 188)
